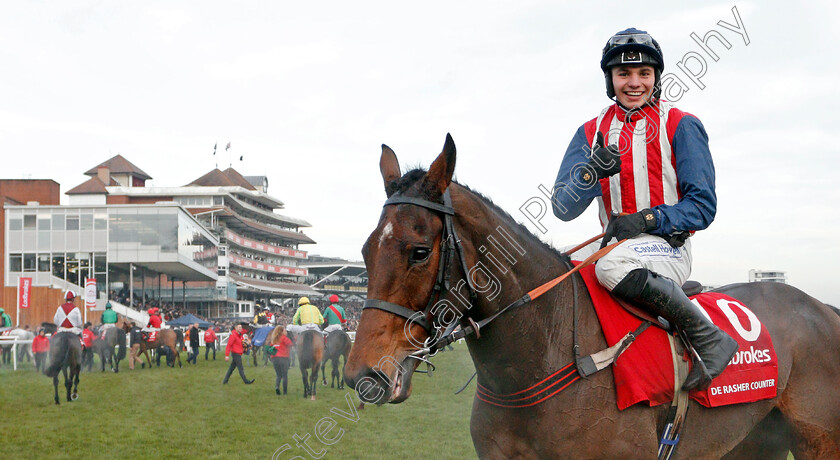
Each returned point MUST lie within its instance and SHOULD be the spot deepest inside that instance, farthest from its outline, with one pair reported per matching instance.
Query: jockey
(261, 317)
(5, 319)
(155, 320)
(648, 166)
(334, 316)
(67, 317)
(307, 313)
(109, 318)
(269, 315)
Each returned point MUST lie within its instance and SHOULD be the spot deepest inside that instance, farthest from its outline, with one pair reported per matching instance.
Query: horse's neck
(527, 343)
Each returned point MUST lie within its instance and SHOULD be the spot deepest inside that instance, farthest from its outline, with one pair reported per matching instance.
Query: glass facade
(74, 243)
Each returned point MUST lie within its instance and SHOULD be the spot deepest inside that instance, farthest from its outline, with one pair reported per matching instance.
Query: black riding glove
(622, 227)
(604, 161)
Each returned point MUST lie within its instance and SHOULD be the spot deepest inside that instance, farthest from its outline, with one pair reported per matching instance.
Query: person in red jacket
(87, 339)
(155, 320)
(40, 346)
(280, 359)
(234, 349)
(209, 343)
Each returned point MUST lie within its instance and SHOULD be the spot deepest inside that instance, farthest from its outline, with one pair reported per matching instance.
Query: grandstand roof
(218, 178)
(92, 186)
(119, 165)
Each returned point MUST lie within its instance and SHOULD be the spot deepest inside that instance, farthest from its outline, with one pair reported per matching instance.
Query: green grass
(187, 413)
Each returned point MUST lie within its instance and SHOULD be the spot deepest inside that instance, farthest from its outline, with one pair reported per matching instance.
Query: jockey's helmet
(108, 306)
(267, 309)
(303, 301)
(69, 295)
(632, 47)
(333, 298)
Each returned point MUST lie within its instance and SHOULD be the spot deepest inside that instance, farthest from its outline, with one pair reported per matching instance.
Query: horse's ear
(440, 172)
(390, 169)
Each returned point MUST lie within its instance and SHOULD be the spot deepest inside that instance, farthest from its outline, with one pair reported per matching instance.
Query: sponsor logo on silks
(656, 249)
(751, 356)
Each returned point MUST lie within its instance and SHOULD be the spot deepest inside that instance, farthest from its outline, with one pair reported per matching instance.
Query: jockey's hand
(629, 226)
(604, 161)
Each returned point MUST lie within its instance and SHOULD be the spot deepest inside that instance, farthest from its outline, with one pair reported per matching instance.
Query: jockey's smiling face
(633, 84)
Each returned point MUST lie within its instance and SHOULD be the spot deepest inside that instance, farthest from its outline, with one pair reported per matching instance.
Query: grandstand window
(218, 200)
(29, 222)
(100, 221)
(43, 262)
(86, 222)
(15, 262)
(44, 222)
(58, 265)
(58, 221)
(29, 262)
(72, 222)
(15, 223)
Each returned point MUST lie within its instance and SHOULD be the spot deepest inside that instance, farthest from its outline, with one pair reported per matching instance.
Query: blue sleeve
(570, 196)
(696, 176)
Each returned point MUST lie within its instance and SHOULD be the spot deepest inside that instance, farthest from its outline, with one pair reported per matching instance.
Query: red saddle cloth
(150, 336)
(645, 371)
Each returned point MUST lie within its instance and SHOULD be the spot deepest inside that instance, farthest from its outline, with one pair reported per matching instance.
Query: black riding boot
(663, 297)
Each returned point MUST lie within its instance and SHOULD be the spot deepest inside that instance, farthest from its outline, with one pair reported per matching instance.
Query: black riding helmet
(632, 46)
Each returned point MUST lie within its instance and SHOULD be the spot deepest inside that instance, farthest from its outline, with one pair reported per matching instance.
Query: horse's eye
(419, 255)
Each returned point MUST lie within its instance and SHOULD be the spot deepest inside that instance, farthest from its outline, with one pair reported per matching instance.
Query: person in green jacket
(109, 316)
(334, 315)
(5, 319)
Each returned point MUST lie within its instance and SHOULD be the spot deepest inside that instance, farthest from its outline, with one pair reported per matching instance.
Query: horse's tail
(121, 344)
(59, 358)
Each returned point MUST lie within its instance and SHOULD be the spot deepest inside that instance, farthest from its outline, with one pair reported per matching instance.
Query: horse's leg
(314, 381)
(336, 375)
(68, 381)
(75, 394)
(305, 381)
(55, 386)
(323, 374)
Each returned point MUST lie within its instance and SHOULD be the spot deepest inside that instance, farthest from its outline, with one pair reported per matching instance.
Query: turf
(187, 413)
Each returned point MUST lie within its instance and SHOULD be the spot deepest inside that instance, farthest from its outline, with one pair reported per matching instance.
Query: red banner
(90, 292)
(24, 292)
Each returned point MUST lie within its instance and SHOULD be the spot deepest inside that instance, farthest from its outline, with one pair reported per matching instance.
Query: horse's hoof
(312, 398)
(74, 396)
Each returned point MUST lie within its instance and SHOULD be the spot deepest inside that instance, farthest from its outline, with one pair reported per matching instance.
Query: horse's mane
(413, 176)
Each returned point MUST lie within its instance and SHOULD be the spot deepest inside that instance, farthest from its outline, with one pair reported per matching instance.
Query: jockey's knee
(613, 268)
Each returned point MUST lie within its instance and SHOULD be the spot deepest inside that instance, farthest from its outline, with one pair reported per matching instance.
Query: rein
(451, 247)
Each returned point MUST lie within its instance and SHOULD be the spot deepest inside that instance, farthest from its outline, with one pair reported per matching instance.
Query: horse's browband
(399, 199)
(450, 248)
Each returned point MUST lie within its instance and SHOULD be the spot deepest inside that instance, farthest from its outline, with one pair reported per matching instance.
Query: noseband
(450, 248)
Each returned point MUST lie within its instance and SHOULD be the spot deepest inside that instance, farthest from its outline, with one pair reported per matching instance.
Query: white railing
(139, 317)
(14, 341)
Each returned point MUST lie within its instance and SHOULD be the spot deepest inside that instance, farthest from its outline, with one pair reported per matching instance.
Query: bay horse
(165, 338)
(310, 353)
(65, 357)
(114, 337)
(523, 346)
(337, 345)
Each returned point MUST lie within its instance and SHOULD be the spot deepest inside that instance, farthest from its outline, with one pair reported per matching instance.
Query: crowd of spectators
(283, 314)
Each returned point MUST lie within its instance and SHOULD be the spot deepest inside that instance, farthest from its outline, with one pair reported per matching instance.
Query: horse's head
(403, 259)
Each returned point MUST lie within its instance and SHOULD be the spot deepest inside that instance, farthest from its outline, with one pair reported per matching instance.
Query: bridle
(450, 248)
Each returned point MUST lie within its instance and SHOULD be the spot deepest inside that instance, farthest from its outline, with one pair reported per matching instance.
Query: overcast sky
(307, 91)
